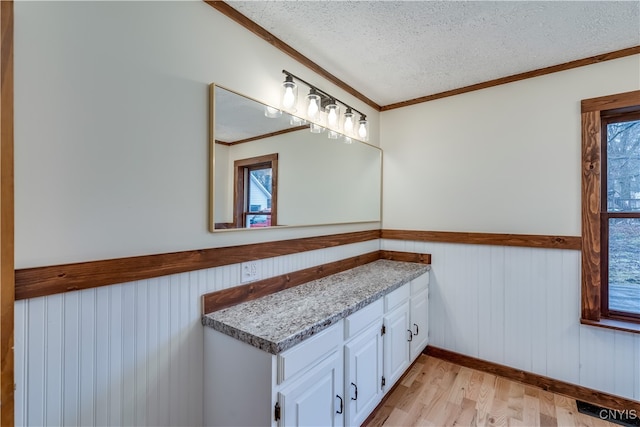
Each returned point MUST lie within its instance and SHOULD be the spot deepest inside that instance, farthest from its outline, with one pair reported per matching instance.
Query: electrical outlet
(250, 271)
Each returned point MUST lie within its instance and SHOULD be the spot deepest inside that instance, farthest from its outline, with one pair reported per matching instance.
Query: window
(611, 209)
(255, 192)
(620, 229)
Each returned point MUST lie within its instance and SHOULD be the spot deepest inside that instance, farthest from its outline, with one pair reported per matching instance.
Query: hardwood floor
(438, 393)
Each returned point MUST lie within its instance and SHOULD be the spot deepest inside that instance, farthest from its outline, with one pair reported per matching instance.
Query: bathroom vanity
(322, 353)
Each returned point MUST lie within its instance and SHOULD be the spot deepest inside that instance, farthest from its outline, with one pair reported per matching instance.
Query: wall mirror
(267, 169)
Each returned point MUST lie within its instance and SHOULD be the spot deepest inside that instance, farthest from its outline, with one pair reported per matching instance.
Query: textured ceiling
(393, 51)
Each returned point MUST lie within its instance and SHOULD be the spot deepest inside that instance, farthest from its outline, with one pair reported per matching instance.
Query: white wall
(520, 307)
(507, 160)
(111, 121)
(504, 159)
(129, 354)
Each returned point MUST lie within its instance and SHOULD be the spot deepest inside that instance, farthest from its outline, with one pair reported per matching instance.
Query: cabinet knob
(410, 335)
(356, 392)
(341, 405)
(417, 329)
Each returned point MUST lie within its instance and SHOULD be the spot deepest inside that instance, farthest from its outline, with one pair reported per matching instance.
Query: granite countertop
(277, 322)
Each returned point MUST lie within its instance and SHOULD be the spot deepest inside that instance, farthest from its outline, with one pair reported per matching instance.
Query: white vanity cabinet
(363, 362)
(246, 386)
(396, 335)
(335, 377)
(419, 315)
(316, 397)
(406, 327)
(310, 381)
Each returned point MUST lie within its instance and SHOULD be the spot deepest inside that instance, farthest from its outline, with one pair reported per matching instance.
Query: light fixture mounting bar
(322, 92)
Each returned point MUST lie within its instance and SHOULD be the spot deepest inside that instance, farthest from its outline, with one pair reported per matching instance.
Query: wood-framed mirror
(267, 169)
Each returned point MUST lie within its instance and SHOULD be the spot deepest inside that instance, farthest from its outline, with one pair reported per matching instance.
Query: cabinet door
(316, 397)
(419, 323)
(396, 343)
(363, 374)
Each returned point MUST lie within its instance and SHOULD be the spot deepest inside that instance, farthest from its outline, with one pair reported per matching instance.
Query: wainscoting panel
(520, 307)
(129, 354)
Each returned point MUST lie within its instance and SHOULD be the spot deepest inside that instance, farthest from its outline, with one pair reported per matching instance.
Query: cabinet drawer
(308, 352)
(397, 297)
(419, 284)
(363, 318)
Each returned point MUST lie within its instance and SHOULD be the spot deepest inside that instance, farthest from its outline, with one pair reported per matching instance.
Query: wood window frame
(239, 167)
(592, 111)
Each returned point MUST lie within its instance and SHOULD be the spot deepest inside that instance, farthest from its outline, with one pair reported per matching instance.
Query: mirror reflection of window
(256, 191)
(258, 197)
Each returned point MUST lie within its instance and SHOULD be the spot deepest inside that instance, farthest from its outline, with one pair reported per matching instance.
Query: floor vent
(624, 417)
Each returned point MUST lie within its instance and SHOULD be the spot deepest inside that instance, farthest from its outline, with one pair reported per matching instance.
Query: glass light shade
(289, 94)
(297, 121)
(333, 114)
(272, 112)
(316, 128)
(313, 104)
(332, 134)
(363, 129)
(347, 125)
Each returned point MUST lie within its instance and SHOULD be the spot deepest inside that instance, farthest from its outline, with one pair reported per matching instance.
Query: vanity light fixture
(316, 128)
(333, 113)
(322, 106)
(271, 112)
(347, 125)
(289, 93)
(363, 128)
(313, 104)
(297, 121)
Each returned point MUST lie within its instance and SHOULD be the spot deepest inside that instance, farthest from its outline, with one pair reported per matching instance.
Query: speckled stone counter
(279, 321)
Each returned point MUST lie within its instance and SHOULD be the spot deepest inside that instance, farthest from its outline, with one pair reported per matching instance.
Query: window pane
(259, 190)
(624, 264)
(623, 166)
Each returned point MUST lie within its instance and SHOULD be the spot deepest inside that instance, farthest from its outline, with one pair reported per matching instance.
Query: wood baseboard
(546, 383)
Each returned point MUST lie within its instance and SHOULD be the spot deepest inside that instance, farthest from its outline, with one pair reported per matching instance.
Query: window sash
(606, 312)
(609, 117)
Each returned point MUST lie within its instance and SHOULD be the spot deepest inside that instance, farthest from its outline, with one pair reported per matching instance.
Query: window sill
(617, 325)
